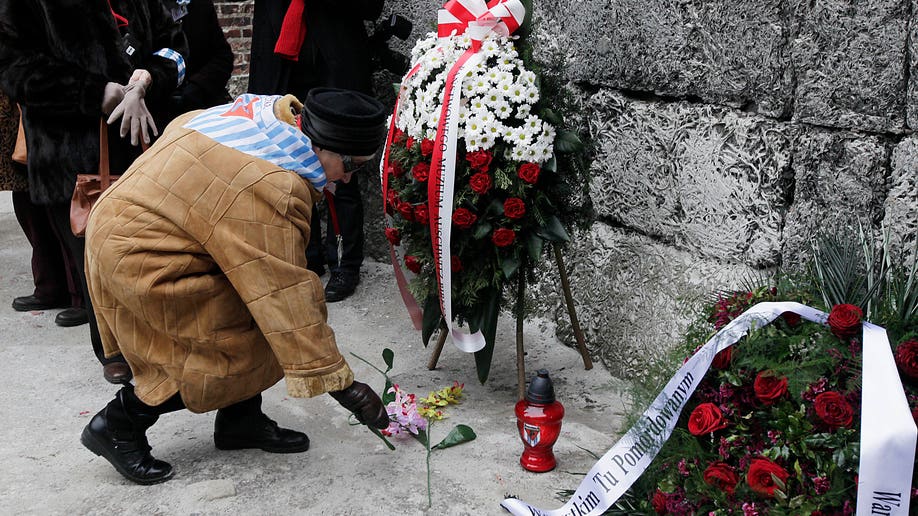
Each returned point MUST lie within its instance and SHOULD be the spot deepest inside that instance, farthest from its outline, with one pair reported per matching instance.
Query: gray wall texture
(725, 134)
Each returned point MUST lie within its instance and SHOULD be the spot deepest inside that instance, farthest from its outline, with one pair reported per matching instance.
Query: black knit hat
(344, 121)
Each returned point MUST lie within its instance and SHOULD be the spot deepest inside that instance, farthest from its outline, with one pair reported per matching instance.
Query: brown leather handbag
(90, 186)
(19, 151)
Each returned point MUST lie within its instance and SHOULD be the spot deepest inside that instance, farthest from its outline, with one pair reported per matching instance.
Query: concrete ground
(52, 385)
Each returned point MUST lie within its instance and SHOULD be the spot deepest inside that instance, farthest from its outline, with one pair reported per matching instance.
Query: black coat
(210, 60)
(334, 53)
(56, 57)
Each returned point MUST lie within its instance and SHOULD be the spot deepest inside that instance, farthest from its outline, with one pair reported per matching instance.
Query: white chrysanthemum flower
(523, 110)
(502, 109)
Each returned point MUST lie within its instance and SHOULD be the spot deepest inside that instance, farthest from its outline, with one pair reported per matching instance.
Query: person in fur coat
(197, 269)
(68, 63)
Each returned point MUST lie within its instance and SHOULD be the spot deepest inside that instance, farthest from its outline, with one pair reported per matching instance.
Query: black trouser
(59, 215)
(53, 269)
(132, 405)
(349, 207)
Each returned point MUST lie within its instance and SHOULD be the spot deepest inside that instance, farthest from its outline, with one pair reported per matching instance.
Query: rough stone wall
(726, 132)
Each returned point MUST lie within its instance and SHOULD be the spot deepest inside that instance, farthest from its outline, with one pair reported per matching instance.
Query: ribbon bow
(478, 18)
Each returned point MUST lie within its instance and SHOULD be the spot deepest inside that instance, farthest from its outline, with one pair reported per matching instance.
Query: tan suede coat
(197, 272)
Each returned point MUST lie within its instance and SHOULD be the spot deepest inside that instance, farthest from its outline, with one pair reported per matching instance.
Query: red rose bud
(833, 409)
(502, 237)
(479, 160)
(907, 357)
(845, 321)
(464, 218)
(769, 388)
(412, 264)
(427, 147)
(722, 360)
(792, 319)
(421, 171)
(514, 208)
(455, 264)
(706, 418)
(760, 478)
(393, 236)
(421, 214)
(409, 143)
(659, 502)
(529, 173)
(721, 475)
(480, 183)
(406, 211)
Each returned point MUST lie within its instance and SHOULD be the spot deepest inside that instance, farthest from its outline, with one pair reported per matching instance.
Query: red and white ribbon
(478, 19)
(888, 432)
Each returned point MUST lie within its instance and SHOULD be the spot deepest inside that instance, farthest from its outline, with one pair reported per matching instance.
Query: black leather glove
(360, 399)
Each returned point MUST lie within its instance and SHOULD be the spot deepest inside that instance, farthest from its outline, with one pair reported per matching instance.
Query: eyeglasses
(350, 166)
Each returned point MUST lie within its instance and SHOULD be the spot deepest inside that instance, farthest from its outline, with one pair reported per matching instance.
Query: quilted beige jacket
(196, 266)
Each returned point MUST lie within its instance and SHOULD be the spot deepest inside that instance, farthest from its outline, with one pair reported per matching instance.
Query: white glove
(112, 96)
(135, 117)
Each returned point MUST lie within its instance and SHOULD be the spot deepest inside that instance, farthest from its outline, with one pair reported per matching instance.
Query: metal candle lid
(540, 388)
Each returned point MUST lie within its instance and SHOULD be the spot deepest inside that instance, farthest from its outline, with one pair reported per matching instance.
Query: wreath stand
(520, 353)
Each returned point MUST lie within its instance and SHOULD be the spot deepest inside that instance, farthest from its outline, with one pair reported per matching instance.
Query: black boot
(243, 425)
(118, 434)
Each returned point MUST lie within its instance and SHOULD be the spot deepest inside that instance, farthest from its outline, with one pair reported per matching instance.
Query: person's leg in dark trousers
(49, 268)
(349, 207)
(59, 215)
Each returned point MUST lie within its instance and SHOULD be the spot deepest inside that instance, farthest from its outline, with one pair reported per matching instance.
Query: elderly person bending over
(196, 268)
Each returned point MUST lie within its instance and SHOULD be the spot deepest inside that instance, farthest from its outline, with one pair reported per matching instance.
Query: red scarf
(121, 21)
(293, 32)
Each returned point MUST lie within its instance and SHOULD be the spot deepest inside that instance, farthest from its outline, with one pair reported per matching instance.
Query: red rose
(480, 183)
(413, 264)
(833, 409)
(421, 171)
(479, 160)
(529, 172)
(394, 169)
(455, 264)
(503, 237)
(760, 478)
(393, 236)
(721, 475)
(659, 502)
(907, 357)
(706, 418)
(514, 208)
(409, 143)
(722, 360)
(392, 201)
(464, 218)
(406, 211)
(792, 319)
(769, 388)
(421, 214)
(845, 321)
(398, 135)
(427, 147)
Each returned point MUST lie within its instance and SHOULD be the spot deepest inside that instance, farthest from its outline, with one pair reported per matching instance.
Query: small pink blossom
(403, 414)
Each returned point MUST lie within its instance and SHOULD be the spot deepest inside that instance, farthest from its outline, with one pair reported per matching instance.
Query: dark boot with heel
(118, 434)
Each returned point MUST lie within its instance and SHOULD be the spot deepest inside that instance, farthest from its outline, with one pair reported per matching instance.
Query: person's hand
(135, 117)
(360, 399)
(112, 96)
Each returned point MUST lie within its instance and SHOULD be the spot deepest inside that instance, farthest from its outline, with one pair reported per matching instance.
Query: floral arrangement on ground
(773, 429)
(516, 166)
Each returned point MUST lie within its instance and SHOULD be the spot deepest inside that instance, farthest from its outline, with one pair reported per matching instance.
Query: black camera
(383, 57)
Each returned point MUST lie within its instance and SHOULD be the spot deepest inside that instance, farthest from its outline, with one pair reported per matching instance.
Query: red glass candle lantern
(538, 419)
